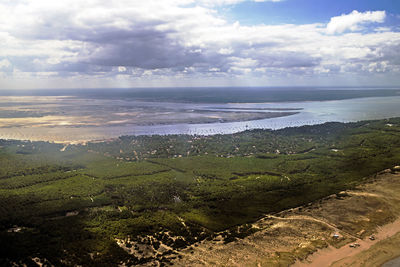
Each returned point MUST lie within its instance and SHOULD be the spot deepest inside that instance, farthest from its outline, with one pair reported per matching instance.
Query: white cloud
(4, 63)
(382, 29)
(226, 51)
(230, 2)
(150, 42)
(354, 20)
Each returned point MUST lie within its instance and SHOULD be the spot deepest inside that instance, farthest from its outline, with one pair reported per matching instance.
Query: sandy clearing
(330, 255)
(304, 236)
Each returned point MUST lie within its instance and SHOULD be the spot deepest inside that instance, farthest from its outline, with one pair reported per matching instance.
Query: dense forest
(138, 199)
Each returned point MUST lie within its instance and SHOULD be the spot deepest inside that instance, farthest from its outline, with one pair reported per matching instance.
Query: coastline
(304, 236)
(79, 122)
(376, 247)
(372, 252)
(70, 134)
(392, 263)
(271, 236)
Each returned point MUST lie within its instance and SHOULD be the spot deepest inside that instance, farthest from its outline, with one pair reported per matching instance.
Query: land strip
(322, 233)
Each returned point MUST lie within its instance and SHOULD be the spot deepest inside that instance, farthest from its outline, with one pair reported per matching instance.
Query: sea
(98, 114)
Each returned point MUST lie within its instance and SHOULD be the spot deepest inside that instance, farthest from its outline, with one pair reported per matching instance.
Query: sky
(187, 43)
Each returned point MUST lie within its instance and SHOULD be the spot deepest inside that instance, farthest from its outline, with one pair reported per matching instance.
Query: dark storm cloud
(137, 44)
(145, 49)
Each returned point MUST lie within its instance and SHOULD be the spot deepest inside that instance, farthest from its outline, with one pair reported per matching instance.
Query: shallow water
(79, 119)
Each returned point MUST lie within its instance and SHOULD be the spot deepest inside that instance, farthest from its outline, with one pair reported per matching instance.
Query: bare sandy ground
(304, 236)
(360, 256)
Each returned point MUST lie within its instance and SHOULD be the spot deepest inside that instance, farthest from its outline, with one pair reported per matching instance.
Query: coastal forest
(140, 199)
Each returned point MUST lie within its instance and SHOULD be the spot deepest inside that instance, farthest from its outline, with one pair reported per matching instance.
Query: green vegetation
(154, 194)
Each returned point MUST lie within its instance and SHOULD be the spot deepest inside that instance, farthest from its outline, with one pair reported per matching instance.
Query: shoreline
(348, 256)
(85, 134)
(369, 250)
(96, 123)
(305, 235)
(392, 263)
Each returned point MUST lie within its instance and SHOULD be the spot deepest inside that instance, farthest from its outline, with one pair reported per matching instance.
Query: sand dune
(304, 236)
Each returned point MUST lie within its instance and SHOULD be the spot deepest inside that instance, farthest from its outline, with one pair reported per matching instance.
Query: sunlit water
(311, 113)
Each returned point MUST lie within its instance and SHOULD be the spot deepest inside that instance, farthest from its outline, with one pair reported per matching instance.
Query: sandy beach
(376, 249)
(369, 253)
(317, 234)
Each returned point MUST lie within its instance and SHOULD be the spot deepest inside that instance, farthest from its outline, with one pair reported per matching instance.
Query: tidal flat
(152, 200)
(74, 116)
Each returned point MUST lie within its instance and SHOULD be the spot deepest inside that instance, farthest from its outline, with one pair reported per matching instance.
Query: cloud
(4, 63)
(156, 42)
(354, 20)
(231, 2)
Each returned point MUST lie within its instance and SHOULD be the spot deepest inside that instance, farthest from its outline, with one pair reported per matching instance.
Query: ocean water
(77, 118)
(393, 263)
